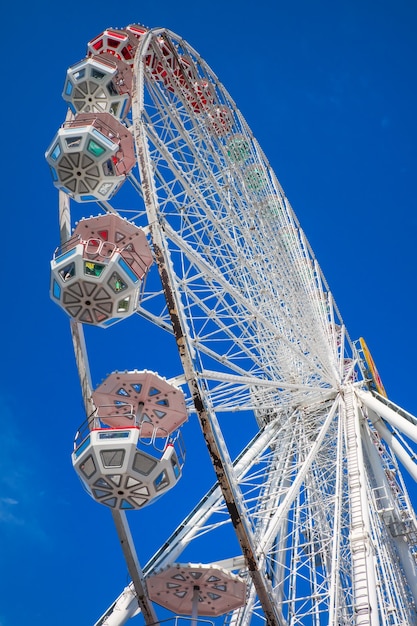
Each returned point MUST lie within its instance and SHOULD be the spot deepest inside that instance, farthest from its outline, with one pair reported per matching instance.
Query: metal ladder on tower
(362, 567)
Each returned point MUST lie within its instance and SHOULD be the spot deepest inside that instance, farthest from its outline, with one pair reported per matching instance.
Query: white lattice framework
(316, 499)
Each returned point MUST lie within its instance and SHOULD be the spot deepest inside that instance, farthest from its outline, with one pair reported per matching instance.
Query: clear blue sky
(330, 91)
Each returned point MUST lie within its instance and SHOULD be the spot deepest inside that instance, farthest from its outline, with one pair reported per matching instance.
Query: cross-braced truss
(325, 532)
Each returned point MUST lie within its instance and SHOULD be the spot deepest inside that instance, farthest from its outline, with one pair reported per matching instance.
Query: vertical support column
(77, 331)
(334, 581)
(133, 565)
(363, 569)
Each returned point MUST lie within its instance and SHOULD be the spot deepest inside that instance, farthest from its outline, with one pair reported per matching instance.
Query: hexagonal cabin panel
(196, 589)
(90, 156)
(98, 275)
(117, 472)
(99, 84)
(144, 398)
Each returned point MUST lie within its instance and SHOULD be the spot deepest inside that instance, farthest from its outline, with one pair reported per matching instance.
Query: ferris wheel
(314, 506)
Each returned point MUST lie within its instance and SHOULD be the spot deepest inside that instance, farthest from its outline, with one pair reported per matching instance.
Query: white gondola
(90, 156)
(126, 459)
(98, 275)
(99, 84)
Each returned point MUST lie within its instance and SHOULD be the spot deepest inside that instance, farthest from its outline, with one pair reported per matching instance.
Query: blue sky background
(330, 91)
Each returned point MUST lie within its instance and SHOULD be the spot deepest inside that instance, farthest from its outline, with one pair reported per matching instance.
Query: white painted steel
(395, 419)
(316, 502)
